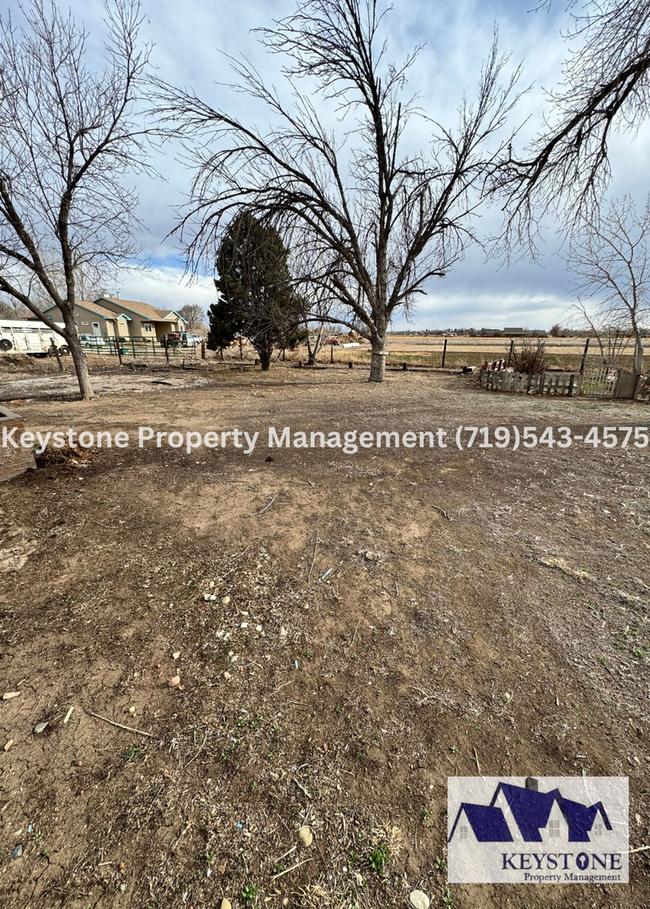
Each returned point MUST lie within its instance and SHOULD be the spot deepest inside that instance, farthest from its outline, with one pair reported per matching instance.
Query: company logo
(554, 830)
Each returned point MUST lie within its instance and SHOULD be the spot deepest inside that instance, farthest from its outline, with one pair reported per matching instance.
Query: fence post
(57, 354)
(444, 354)
(512, 347)
(637, 387)
(584, 357)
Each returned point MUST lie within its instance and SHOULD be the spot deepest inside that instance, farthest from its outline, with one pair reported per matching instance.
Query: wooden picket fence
(595, 381)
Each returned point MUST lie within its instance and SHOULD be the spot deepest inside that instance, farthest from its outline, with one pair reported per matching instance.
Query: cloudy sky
(190, 40)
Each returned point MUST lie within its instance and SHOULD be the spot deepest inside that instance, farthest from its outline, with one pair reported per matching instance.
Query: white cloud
(165, 288)
(190, 40)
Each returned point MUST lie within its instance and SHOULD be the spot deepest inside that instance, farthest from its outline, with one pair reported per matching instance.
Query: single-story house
(145, 321)
(93, 319)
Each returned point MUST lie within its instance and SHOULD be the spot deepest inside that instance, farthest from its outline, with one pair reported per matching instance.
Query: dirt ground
(347, 630)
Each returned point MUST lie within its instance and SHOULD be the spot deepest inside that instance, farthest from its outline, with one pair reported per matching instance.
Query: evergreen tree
(257, 298)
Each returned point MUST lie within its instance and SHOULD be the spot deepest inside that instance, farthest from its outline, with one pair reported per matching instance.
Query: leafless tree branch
(381, 219)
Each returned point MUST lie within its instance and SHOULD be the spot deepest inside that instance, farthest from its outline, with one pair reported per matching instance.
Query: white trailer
(30, 337)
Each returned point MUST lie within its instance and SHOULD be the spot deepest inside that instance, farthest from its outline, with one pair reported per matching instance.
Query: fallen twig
(205, 738)
(311, 567)
(478, 766)
(427, 697)
(288, 852)
(266, 507)
(120, 725)
(301, 787)
(442, 511)
(293, 868)
(345, 649)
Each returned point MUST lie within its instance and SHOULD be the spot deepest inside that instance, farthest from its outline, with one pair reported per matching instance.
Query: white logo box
(553, 830)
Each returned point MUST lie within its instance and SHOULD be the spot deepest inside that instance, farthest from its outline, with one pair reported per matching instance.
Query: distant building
(93, 319)
(133, 318)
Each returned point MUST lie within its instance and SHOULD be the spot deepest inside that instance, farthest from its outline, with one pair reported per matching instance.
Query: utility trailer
(30, 337)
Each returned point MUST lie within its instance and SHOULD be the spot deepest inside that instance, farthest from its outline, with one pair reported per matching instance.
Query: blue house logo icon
(524, 813)
(546, 830)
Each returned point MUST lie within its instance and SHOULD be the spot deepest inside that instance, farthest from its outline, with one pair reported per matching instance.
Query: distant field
(564, 353)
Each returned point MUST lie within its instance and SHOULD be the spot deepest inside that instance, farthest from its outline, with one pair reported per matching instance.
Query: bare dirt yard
(342, 633)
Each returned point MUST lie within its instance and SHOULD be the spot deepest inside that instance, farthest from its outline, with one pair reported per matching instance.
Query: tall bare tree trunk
(378, 359)
(637, 365)
(78, 356)
(312, 350)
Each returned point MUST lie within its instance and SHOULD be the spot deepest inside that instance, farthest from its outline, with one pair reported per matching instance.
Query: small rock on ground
(305, 836)
(419, 900)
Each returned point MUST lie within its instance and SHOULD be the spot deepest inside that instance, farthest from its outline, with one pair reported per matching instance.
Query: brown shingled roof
(93, 307)
(141, 309)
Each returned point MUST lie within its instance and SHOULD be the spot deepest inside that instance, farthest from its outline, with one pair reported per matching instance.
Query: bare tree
(12, 309)
(384, 219)
(89, 280)
(67, 136)
(613, 340)
(317, 302)
(611, 260)
(194, 315)
(317, 309)
(605, 87)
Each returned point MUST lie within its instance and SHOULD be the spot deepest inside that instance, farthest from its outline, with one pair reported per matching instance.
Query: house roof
(144, 309)
(580, 818)
(486, 821)
(94, 308)
(530, 808)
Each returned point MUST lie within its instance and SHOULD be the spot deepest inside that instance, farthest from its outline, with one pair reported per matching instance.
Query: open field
(385, 619)
(563, 353)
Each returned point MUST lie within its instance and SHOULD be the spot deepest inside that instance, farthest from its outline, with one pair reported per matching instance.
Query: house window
(148, 328)
(554, 830)
(464, 833)
(598, 830)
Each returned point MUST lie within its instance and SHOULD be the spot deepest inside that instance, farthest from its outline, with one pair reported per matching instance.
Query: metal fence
(139, 347)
